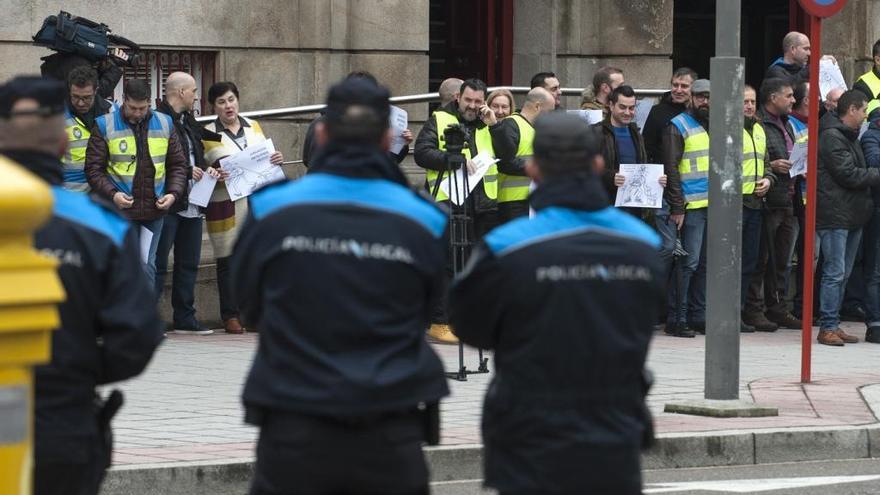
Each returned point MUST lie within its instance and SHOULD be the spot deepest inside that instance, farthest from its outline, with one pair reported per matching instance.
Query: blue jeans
(871, 264)
(667, 230)
(155, 227)
(185, 235)
(838, 248)
(693, 270)
(751, 248)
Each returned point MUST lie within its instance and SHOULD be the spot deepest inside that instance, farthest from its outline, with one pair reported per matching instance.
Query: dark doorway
(470, 38)
(764, 24)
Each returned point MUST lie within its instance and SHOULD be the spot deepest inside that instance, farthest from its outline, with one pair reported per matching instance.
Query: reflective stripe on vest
(484, 144)
(516, 187)
(694, 164)
(872, 81)
(74, 158)
(122, 147)
(754, 147)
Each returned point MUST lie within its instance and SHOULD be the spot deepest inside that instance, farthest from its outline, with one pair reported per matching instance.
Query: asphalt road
(850, 477)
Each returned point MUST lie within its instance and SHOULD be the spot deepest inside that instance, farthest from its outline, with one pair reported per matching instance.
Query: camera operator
(61, 65)
(472, 112)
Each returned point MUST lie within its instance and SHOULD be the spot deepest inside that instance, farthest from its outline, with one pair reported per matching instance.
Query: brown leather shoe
(233, 326)
(845, 337)
(829, 337)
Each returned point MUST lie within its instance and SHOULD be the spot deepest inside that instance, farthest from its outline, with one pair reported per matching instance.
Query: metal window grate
(156, 65)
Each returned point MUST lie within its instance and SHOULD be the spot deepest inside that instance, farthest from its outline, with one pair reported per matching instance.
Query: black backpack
(80, 36)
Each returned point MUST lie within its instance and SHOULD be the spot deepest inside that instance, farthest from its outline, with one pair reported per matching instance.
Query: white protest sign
(641, 187)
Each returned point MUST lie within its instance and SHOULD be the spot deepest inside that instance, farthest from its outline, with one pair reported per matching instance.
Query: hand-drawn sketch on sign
(642, 188)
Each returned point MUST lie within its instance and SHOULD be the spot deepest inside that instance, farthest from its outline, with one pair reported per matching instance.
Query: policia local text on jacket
(149, 180)
(342, 363)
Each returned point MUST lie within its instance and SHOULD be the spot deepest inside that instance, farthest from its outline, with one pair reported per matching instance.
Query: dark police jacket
(107, 333)
(339, 270)
(567, 301)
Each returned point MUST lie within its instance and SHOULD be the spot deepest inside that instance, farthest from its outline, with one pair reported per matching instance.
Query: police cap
(357, 110)
(48, 93)
(565, 139)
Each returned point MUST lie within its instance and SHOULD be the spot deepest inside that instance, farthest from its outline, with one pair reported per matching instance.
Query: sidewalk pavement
(185, 409)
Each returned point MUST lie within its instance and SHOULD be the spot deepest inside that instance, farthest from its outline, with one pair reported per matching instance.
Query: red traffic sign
(822, 8)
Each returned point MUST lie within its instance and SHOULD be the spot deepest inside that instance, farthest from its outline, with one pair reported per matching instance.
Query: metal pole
(724, 235)
(810, 220)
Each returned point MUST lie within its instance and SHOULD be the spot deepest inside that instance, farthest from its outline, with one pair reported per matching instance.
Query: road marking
(754, 485)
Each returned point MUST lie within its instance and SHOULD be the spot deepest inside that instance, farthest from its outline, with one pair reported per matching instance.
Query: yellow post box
(29, 293)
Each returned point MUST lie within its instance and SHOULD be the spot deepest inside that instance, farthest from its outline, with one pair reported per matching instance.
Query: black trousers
(511, 210)
(481, 223)
(309, 455)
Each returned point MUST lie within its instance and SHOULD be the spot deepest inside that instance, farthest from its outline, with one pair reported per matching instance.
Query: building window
(156, 65)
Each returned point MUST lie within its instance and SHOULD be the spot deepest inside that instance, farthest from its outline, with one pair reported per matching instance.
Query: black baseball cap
(49, 93)
(565, 138)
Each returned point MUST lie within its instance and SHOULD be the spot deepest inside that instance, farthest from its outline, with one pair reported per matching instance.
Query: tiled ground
(186, 406)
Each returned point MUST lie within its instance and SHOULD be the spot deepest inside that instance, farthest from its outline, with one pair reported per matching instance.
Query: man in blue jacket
(572, 298)
(107, 333)
(339, 271)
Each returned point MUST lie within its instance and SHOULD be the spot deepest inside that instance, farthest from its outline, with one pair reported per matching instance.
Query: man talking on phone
(474, 115)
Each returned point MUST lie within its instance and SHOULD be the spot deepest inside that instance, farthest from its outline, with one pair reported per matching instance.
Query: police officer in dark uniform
(107, 334)
(574, 294)
(339, 271)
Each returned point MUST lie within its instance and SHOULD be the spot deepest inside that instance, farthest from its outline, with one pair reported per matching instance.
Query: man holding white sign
(622, 143)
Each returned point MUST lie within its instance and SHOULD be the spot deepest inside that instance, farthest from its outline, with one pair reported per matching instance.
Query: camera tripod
(461, 220)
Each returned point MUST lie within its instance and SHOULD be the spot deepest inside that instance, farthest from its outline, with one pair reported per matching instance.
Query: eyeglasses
(82, 99)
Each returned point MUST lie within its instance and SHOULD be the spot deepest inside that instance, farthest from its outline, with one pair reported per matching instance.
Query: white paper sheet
(249, 169)
(798, 159)
(146, 238)
(642, 188)
(456, 182)
(830, 77)
(200, 194)
(398, 122)
(591, 116)
(643, 108)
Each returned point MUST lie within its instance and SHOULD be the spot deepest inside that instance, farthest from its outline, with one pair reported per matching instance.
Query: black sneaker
(198, 329)
(698, 326)
(679, 330)
(746, 328)
(873, 335)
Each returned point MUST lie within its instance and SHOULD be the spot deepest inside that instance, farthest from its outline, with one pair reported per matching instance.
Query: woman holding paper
(224, 216)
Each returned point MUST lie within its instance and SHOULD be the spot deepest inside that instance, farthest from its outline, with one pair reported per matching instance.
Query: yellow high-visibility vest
(74, 158)
(872, 81)
(694, 164)
(754, 149)
(123, 149)
(516, 187)
(483, 140)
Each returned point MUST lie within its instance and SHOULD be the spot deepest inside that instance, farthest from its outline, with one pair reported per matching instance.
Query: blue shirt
(626, 149)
